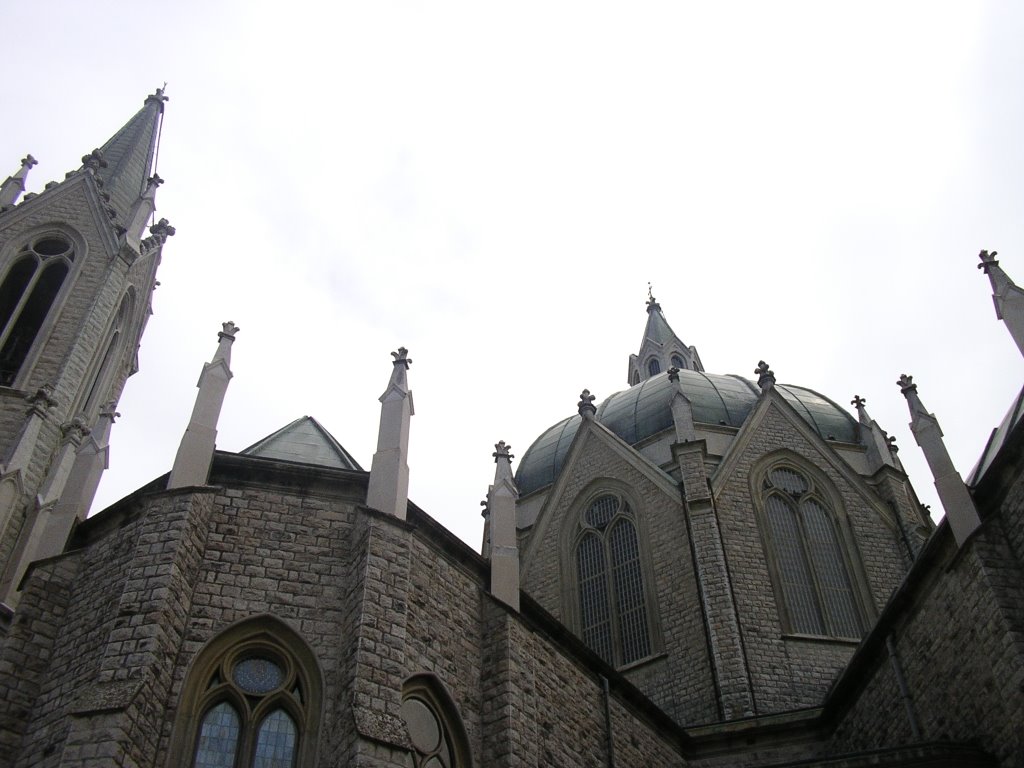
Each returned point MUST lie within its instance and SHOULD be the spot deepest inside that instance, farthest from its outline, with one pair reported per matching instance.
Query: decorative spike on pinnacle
(765, 376)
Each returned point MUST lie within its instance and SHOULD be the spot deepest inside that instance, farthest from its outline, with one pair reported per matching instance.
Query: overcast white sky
(493, 185)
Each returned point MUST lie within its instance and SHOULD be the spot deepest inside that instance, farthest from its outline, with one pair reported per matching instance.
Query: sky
(494, 185)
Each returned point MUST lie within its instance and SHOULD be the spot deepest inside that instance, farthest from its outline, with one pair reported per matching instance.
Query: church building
(699, 570)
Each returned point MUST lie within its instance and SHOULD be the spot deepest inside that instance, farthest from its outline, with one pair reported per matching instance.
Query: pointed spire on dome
(956, 500)
(660, 348)
(14, 185)
(1008, 298)
(125, 163)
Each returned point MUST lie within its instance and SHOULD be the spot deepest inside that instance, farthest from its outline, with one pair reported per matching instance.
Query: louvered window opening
(613, 608)
(815, 583)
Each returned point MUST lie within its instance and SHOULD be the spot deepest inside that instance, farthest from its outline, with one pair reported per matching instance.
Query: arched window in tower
(99, 391)
(653, 366)
(27, 293)
(250, 701)
(678, 362)
(612, 599)
(435, 729)
(807, 557)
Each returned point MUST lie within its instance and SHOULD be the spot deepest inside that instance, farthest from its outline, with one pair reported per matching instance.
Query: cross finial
(502, 451)
(154, 180)
(765, 376)
(229, 330)
(158, 96)
(162, 228)
(586, 404)
(988, 259)
(652, 303)
(402, 358)
(673, 374)
(906, 384)
(858, 401)
(28, 161)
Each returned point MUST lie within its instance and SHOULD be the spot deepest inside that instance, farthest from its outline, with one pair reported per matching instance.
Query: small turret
(503, 551)
(388, 489)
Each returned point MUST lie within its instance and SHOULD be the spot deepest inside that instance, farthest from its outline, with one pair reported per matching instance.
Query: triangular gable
(304, 441)
(752, 426)
(591, 429)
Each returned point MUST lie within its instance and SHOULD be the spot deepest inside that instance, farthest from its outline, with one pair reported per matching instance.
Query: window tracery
(27, 293)
(807, 556)
(613, 609)
(249, 702)
(435, 728)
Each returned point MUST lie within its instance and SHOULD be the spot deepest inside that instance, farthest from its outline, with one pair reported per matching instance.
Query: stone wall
(789, 672)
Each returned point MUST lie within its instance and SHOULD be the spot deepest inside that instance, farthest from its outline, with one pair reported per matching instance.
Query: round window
(257, 675)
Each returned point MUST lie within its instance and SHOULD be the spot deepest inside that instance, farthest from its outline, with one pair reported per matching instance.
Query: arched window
(27, 292)
(612, 600)
(435, 729)
(250, 701)
(806, 554)
(99, 391)
(678, 362)
(653, 366)
(635, 379)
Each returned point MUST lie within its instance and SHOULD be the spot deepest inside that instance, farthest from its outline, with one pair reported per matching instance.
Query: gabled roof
(304, 441)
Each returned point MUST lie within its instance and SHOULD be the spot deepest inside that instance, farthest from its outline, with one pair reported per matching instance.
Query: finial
(94, 160)
(586, 405)
(988, 259)
(401, 357)
(858, 402)
(652, 303)
(28, 161)
(157, 96)
(162, 228)
(502, 451)
(229, 330)
(906, 384)
(765, 376)
(673, 374)
(154, 180)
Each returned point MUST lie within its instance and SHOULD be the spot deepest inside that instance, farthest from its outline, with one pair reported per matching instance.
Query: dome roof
(645, 410)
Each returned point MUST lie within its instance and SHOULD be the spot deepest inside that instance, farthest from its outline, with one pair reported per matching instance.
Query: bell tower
(77, 270)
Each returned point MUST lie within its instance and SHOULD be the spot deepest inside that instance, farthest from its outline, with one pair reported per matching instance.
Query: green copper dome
(645, 410)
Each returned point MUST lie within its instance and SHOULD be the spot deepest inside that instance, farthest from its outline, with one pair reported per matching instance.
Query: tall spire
(660, 348)
(125, 163)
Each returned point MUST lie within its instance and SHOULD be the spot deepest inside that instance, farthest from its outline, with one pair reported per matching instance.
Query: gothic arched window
(435, 728)
(653, 366)
(807, 557)
(678, 362)
(27, 293)
(250, 701)
(612, 600)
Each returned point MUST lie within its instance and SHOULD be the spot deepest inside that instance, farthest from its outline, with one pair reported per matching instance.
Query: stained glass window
(276, 741)
(218, 738)
(613, 607)
(808, 556)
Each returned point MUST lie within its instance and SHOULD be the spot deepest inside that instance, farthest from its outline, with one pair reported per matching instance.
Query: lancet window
(613, 610)
(807, 557)
(27, 293)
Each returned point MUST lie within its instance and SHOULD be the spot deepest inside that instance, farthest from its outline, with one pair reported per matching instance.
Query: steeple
(660, 348)
(124, 164)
